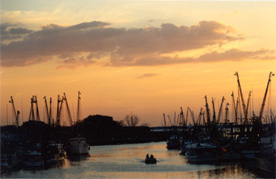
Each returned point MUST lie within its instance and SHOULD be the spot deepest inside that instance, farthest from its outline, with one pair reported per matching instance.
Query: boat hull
(150, 161)
(77, 149)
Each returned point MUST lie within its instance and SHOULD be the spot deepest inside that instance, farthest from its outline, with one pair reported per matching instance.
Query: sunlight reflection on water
(127, 161)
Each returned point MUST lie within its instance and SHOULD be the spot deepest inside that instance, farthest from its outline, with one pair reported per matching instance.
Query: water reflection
(127, 161)
(78, 157)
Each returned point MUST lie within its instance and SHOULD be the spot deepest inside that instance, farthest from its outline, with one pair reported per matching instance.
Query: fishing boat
(54, 154)
(185, 147)
(203, 153)
(77, 146)
(265, 161)
(173, 142)
(5, 162)
(33, 160)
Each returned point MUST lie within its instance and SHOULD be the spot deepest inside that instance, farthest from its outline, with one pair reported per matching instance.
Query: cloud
(233, 55)
(73, 63)
(12, 32)
(86, 43)
(147, 75)
(229, 55)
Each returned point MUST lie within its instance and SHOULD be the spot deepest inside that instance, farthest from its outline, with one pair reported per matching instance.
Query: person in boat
(147, 156)
(151, 156)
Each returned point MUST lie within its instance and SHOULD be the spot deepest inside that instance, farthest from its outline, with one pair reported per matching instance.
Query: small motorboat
(150, 160)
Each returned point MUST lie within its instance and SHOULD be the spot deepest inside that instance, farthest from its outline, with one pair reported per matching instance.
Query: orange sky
(144, 57)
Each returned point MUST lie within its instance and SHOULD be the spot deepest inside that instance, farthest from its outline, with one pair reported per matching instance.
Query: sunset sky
(141, 57)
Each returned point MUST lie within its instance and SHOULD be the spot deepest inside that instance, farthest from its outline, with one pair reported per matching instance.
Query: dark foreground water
(127, 161)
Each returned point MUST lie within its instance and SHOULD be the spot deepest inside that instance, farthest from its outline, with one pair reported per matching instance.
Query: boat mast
(78, 110)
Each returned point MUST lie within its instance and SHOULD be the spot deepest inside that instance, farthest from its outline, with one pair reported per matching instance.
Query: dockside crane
(207, 112)
(214, 111)
(263, 103)
(220, 109)
(16, 114)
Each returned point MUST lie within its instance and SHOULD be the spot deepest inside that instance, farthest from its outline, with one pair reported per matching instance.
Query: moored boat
(33, 160)
(265, 161)
(203, 153)
(77, 146)
(173, 142)
(54, 154)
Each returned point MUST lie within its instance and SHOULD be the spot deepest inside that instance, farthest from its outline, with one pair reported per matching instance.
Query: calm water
(127, 161)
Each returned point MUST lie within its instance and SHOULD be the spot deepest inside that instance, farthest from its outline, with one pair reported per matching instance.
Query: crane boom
(263, 104)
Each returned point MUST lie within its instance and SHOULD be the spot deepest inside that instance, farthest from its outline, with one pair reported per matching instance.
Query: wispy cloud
(86, 43)
(147, 75)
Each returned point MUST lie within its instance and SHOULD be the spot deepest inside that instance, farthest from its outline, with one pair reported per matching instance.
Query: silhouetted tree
(121, 123)
(131, 120)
